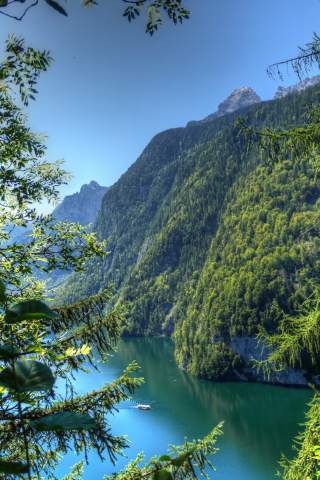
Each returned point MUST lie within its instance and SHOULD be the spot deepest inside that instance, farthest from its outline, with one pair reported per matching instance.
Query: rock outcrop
(248, 348)
(81, 207)
(298, 87)
(239, 98)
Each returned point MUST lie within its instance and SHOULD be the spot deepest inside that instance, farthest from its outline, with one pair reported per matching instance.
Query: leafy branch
(303, 63)
(171, 7)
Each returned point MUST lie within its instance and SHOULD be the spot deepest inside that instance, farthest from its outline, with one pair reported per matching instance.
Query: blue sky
(112, 87)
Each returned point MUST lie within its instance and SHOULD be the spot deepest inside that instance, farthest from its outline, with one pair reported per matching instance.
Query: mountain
(81, 207)
(298, 87)
(204, 242)
(240, 98)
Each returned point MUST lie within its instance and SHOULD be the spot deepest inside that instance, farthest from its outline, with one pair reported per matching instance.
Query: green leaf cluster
(173, 9)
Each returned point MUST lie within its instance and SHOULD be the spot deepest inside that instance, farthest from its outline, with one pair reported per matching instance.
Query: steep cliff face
(248, 348)
(239, 98)
(298, 87)
(81, 207)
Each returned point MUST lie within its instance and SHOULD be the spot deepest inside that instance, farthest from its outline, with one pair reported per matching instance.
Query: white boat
(144, 407)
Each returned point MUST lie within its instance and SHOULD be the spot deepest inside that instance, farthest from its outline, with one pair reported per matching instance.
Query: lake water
(260, 420)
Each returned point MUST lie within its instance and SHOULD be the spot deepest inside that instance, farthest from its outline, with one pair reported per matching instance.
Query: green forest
(204, 239)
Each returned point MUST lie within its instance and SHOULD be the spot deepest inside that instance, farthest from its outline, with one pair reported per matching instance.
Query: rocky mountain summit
(239, 98)
(81, 207)
(245, 96)
(298, 87)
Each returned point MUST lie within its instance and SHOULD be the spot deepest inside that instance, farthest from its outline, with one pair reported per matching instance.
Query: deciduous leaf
(57, 7)
(63, 421)
(2, 287)
(14, 468)
(8, 351)
(30, 309)
(162, 475)
(165, 458)
(30, 376)
(178, 461)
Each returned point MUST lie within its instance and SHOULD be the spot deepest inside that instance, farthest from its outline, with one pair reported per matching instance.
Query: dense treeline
(201, 235)
(255, 264)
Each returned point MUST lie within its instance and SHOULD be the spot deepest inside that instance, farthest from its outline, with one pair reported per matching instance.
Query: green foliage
(22, 68)
(182, 465)
(294, 336)
(172, 8)
(8, 351)
(27, 376)
(15, 468)
(56, 339)
(63, 421)
(28, 309)
(57, 7)
(297, 335)
(254, 264)
(308, 58)
(304, 465)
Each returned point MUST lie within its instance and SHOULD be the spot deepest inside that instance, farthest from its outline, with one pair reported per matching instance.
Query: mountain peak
(298, 87)
(239, 98)
(94, 184)
(83, 206)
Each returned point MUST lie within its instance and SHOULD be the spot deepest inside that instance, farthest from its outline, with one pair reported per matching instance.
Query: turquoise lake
(260, 420)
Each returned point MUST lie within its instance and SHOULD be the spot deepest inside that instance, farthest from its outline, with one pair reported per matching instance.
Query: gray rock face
(298, 87)
(81, 207)
(247, 347)
(242, 97)
(144, 249)
(239, 98)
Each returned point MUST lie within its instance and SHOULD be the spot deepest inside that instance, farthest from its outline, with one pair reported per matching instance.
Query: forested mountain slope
(254, 265)
(201, 237)
(134, 209)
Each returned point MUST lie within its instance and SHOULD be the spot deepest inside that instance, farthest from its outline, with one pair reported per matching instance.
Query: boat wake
(129, 404)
